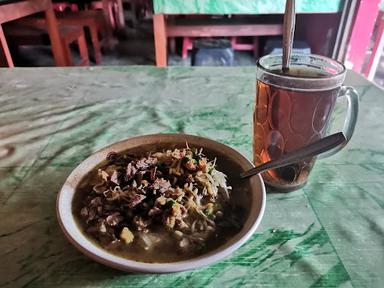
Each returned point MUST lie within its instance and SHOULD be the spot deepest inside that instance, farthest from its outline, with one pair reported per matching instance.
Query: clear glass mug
(293, 110)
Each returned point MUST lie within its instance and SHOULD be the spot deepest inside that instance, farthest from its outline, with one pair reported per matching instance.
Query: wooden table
(164, 8)
(327, 234)
(19, 9)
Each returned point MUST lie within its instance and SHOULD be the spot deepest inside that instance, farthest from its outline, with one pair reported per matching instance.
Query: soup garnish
(173, 199)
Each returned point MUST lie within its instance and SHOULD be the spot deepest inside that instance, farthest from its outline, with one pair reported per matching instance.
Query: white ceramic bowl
(249, 193)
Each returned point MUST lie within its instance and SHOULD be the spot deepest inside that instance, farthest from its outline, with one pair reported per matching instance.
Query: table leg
(57, 47)
(107, 13)
(120, 15)
(109, 41)
(172, 45)
(95, 43)
(133, 13)
(5, 54)
(83, 48)
(67, 53)
(160, 34)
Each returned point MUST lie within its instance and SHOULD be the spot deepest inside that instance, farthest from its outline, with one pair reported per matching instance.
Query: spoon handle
(310, 150)
(289, 31)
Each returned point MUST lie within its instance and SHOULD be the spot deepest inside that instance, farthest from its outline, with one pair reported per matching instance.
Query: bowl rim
(136, 266)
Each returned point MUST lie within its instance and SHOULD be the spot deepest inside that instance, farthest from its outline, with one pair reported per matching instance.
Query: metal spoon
(288, 34)
(310, 150)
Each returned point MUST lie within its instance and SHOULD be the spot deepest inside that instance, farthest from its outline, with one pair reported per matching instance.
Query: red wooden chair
(92, 20)
(24, 34)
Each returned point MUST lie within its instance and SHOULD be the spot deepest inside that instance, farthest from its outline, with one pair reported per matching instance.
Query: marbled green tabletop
(328, 234)
(243, 6)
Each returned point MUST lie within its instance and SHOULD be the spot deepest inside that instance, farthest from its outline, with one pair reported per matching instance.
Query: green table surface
(328, 234)
(243, 6)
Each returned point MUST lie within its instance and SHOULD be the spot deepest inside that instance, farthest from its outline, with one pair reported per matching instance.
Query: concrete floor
(135, 47)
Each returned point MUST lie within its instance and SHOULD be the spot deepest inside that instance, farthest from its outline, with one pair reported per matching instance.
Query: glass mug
(293, 109)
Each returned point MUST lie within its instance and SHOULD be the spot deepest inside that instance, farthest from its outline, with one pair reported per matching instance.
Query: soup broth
(164, 246)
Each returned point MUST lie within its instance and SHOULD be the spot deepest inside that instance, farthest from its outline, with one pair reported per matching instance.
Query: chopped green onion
(172, 202)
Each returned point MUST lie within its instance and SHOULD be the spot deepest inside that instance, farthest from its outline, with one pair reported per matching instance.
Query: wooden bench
(21, 34)
(164, 29)
(91, 20)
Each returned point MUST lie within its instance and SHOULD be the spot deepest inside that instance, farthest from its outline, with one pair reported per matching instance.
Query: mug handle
(350, 120)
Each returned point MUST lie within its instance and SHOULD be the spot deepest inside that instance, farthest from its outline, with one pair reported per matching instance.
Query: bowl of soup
(161, 203)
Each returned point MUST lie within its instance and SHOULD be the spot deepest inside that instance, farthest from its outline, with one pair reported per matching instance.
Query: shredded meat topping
(179, 190)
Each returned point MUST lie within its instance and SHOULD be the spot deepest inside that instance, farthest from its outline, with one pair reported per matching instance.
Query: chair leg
(134, 19)
(233, 42)
(111, 16)
(108, 41)
(5, 54)
(187, 44)
(67, 53)
(83, 51)
(119, 9)
(95, 43)
(172, 45)
(57, 50)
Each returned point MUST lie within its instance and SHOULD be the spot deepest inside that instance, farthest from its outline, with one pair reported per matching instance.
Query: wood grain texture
(160, 34)
(13, 11)
(224, 30)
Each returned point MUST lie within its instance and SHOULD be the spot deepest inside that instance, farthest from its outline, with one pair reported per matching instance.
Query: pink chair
(65, 6)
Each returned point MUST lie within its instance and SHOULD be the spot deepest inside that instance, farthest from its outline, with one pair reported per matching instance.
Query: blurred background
(187, 33)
